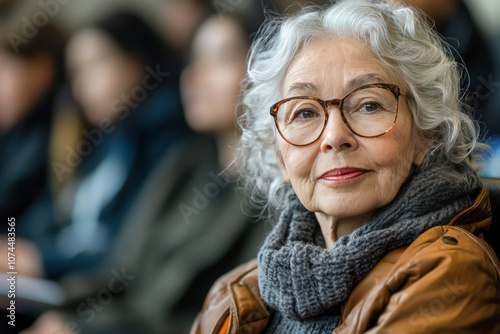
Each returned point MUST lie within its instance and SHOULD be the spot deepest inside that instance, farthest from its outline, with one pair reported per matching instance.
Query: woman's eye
(304, 114)
(370, 107)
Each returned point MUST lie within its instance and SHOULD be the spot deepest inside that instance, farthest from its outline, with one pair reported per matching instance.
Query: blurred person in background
(188, 225)
(126, 86)
(474, 51)
(481, 80)
(178, 20)
(31, 75)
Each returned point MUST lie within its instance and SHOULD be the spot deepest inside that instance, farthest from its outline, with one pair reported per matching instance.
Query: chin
(346, 205)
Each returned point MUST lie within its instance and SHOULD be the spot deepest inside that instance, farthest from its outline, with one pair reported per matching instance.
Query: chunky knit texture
(305, 284)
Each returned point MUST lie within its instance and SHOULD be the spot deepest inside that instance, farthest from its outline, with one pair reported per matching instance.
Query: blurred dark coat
(24, 152)
(133, 147)
(187, 228)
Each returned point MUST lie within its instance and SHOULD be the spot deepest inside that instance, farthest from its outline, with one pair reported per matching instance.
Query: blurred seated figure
(127, 88)
(30, 78)
(31, 74)
(481, 81)
(189, 225)
(453, 20)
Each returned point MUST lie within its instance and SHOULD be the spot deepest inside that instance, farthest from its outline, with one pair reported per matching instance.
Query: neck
(226, 143)
(333, 228)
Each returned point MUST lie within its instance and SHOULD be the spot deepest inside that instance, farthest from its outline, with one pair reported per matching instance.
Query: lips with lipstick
(343, 174)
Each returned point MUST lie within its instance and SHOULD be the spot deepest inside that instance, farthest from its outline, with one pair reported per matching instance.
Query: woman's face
(210, 84)
(100, 74)
(331, 68)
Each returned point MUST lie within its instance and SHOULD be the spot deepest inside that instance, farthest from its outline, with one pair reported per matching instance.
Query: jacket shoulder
(221, 289)
(235, 295)
(446, 281)
(456, 246)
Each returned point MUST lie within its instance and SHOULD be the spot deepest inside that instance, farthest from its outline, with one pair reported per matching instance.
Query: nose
(337, 135)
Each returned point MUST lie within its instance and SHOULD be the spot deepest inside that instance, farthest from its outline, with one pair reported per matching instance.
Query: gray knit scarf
(305, 284)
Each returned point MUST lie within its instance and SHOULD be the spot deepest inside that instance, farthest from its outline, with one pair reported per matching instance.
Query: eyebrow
(311, 89)
(303, 86)
(364, 79)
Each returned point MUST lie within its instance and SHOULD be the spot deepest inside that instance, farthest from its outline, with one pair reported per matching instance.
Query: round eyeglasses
(368, 111)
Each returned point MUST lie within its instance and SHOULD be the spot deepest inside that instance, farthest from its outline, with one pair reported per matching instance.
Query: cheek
(94, 84)
(125, 76)
(397, 150)
(10, 85)
(13, 94)
(298, 164)
(393, 161)
(224, 93)
(225, 83)
(297, 160)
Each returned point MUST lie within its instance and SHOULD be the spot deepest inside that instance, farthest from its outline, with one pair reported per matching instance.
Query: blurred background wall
(485, 12)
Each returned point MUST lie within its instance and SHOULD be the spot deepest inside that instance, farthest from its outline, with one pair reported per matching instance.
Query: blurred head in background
(178, 20)
(30, 67)
(210, 83)
(108, 58)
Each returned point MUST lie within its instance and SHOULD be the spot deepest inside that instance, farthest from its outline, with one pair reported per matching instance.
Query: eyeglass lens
(369, 112)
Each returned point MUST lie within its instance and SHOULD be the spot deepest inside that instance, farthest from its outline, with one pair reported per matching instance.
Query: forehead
(332, 67)
(89, 44)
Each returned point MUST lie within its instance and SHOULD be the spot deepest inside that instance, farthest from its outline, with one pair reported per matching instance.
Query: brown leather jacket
(446, 281)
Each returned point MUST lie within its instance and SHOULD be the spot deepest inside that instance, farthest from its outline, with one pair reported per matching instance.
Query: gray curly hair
(404, 42)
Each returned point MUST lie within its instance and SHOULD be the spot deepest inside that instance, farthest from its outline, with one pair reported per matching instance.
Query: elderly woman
(369, 159)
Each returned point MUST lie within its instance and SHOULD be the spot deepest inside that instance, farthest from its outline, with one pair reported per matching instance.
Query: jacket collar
(477, 218)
